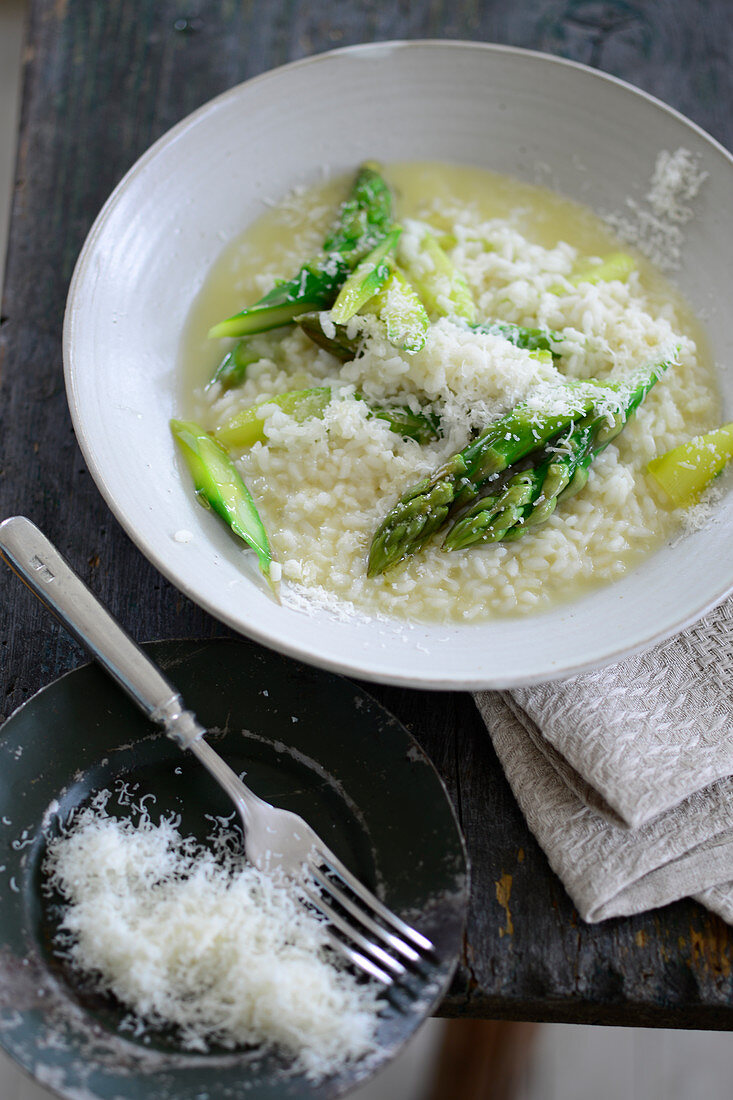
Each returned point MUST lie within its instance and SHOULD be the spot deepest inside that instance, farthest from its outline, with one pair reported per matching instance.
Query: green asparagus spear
(219, 486)
(364, 219)
(341, 345)
(424, 508)
(246, 426)
(441, 286)
(529, 497)
(533, 339)
(559, 471)
(232, 370)
(233, 367)
(398, 305)
(614, 266)
(365, 216)
(685, 471)
(427, 506)
(314, 288)
(413, 324)
(421, 426)
(363, 283)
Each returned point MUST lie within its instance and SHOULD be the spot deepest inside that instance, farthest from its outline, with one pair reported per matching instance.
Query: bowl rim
(265, 634)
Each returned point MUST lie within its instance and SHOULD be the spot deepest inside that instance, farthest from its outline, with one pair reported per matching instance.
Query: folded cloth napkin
(625, 775)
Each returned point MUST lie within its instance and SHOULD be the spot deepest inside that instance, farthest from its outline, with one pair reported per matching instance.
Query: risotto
(323, 483)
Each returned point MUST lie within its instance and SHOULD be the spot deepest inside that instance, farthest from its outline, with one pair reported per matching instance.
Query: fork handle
(39, 564)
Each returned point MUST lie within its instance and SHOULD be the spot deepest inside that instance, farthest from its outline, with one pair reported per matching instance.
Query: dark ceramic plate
(309, 741)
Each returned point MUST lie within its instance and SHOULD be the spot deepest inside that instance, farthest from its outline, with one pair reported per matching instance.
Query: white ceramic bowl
(163, 227)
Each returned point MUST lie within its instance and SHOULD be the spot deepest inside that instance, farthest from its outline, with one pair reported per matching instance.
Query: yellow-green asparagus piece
(685, 471)
(219, 486)
(442, 288)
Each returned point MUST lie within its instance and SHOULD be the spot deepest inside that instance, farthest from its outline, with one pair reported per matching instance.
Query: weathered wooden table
(104, 80)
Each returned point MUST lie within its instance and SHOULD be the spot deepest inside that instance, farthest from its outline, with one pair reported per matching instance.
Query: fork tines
(361, 918)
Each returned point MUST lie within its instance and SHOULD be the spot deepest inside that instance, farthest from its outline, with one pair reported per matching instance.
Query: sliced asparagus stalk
(340, 345)
(246, 426)
(614, 266)
(398, 305)
(365, 216)
(412, 325)
(364, 219)
(232, 370)
(685, 471)
(441, 286)
(219, 486)
(532, 339)
(363, 283)
(314, 288)
(424, 427)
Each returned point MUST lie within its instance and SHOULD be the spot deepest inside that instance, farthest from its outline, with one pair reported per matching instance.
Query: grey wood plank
(102, 81)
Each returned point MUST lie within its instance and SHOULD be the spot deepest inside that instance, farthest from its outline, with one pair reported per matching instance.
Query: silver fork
(373, 938)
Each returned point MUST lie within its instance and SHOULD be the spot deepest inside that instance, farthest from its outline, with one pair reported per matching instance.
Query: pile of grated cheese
(186, 936)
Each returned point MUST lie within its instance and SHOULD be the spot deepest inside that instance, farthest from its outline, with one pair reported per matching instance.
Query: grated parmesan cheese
(676, 181)
(705, 511)
(194, 938)
(655, 227)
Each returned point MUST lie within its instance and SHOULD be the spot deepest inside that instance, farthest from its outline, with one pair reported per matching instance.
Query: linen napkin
(625, 774)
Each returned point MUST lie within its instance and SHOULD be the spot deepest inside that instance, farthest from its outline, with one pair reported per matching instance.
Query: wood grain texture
(102, 81)
(483, 1060)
